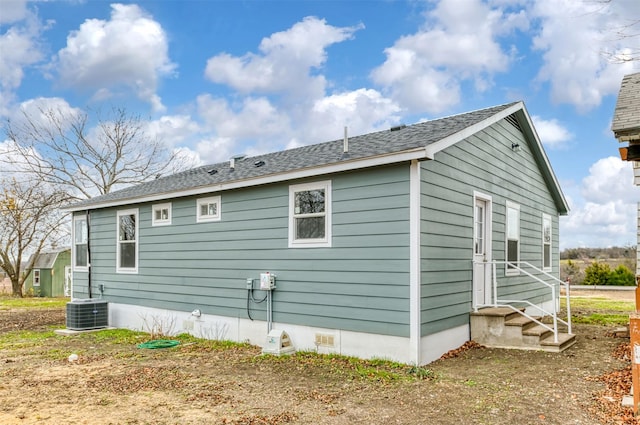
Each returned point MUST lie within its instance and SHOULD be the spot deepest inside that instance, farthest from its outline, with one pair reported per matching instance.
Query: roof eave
(561, 202)
(466, 132)
(518, 108)
(627, 135)
(419, 154)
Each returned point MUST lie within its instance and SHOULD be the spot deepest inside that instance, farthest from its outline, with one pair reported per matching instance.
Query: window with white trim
(36, 277)
(127, 240)
(310, 215)
(513, 237)
(80, 243)
(208, 209)
(161, 214)
(546, 242)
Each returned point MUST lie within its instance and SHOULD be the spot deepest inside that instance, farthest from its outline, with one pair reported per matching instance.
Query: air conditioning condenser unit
(83, 314)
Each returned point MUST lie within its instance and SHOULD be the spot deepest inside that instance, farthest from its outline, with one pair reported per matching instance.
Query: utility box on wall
(267, 281)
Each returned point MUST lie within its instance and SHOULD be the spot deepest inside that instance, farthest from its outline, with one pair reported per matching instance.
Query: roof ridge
(340, 140)
(503, 106)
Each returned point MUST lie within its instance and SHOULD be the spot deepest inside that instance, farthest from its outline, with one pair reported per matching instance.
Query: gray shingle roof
(328, 153)
(46, 260)
(626, 118)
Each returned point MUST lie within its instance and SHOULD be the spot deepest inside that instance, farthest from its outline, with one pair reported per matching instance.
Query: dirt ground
(116, 383)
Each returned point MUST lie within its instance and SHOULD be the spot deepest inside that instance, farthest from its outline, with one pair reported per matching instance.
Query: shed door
(482, 252)
(67, 281)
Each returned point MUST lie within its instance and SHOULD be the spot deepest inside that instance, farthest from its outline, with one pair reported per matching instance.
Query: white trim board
(415, 312)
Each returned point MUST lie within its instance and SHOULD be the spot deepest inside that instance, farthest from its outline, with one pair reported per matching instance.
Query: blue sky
(219, 78)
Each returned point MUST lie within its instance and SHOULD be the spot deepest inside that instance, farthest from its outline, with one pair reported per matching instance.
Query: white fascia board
(544, 157)
(408, 155)
(451, 140)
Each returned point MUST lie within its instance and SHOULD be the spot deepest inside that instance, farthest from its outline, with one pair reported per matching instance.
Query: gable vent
(511, 119)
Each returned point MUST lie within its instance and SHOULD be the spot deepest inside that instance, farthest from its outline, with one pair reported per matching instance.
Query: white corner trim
(414, 264)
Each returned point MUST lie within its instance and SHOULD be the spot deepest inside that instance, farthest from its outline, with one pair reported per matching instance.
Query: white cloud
(362, 111)
(188, 156)
(293, 106)
(610, 179)
(251, 118)
(20, 46)
(608, 213)
(215, 149)
(577, 39)
(37, 109)
(552, 134)
(458, 42)
(130, 51)
(13, 11)
(10, 163)
(599, 225)
(19, 49)
(285, 61)
(172, 130)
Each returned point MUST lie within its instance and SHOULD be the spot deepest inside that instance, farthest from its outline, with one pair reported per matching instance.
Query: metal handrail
(508, 303)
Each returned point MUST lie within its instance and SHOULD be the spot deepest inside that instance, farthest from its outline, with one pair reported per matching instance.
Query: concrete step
(565, 341)
(504, 312)
(537, 331)
(533, 335)
(521, 321)
(502, 327)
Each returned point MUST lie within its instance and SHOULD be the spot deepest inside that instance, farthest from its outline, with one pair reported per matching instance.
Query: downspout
(88, 215)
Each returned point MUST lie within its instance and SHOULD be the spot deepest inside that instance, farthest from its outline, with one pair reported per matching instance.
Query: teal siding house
(51, 274)
(372, 242)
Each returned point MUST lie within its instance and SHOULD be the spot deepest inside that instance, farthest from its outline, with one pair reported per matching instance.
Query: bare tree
(62, 149)
(627, 30)
(29, 222)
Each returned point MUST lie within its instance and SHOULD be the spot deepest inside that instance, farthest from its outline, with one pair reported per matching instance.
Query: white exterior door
(482, 251)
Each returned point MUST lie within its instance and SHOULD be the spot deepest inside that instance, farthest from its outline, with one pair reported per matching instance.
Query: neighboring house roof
(46, 260)
(626, 118)
(420, 141)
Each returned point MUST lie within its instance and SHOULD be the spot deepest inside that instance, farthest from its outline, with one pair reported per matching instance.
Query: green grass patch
(60, 354)
(604, 304)
(8, 303)
(378, 370)
(599, 311)
(24, 339)
(115, 336)
(602, 319)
